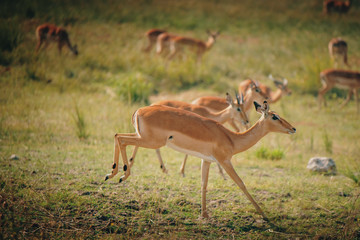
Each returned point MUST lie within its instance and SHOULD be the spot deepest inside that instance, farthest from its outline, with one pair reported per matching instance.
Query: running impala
(234, 111)
(157, 126)
(343, 79)
(217, 103)
(199, 46)
(49, 32)
(338, 48)
(152, 36)
(163, 42)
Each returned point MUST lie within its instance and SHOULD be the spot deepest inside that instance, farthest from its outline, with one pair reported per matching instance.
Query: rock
(14, 157)
(322, 164)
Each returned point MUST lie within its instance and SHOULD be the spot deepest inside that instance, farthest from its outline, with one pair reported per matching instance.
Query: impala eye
(238, 109)
(274, 117)
(257, 90)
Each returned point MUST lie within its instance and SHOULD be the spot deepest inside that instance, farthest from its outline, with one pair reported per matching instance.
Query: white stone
(14, 157)
(322, 164)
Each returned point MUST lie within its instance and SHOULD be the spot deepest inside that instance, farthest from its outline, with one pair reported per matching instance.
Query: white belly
(192, 153)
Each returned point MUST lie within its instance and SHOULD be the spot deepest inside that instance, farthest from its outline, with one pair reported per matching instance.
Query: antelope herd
(197, 128)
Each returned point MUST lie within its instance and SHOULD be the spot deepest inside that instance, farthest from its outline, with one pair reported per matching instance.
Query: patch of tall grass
(327, 142)
(266, 153)
(352, 171)
(10, 37)
(80, 124)
(135, 87)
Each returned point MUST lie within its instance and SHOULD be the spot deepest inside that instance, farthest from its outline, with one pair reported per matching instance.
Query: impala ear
(241, 98)
(266, 106)
(262, 109)
(252, 83)
(229, 99)
(257, 107)
(285, 82)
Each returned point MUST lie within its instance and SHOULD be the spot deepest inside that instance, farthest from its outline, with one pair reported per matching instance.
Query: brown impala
(49, 32)
(343, 79)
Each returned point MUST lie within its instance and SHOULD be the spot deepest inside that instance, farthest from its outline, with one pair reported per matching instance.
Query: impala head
(256, 92)
(273, 121)
(281, 85)
(213, 35)
(75, 50)
(237, 109)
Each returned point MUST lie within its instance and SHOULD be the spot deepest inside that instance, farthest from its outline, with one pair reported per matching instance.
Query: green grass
(265, 153)
(57, 190)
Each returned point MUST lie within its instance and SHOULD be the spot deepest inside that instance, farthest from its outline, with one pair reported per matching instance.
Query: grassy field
(58, 115)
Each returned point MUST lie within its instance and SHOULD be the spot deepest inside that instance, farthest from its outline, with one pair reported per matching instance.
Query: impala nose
(294, 129)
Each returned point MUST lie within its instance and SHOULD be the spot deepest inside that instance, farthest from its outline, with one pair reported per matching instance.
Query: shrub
(10, 35)
(80, 124)
(265, 153)
(327, 143)
(135, 88)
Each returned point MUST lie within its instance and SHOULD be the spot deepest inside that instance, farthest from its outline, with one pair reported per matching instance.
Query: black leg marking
(170, 137)
(161, 166)
(120, 180)
(114, 166)
(131, 159)
(125, 168)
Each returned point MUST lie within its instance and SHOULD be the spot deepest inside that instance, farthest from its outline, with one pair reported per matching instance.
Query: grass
(327, 143)
(81, 125)
(56, 189)
(265, 153)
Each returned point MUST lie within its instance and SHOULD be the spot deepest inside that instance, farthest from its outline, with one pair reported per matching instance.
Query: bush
(265, 153)
(135, 88)
(10, 35)
(80, 124)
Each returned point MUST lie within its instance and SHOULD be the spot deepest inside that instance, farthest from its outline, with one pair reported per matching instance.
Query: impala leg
(182, 168)
(117, 148)
(162, 166)
(221, 171)
(205, 167)
(115, 166)
(322, 91)
(356, 99)
(38, 45)
(126, 169)
(60, 46)
(132, 159)
(152, 42)
(350, 93)
(232, 173)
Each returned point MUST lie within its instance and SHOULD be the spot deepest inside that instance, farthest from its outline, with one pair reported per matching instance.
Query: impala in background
(199, 47)
(346, 79)
(338, 49)
(152, 36)
(47, 32)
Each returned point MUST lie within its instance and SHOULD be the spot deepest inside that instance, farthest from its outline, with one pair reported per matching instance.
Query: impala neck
(221, 116)
(248, 100)
(275, 96)
(245, 140)
(210, 42)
